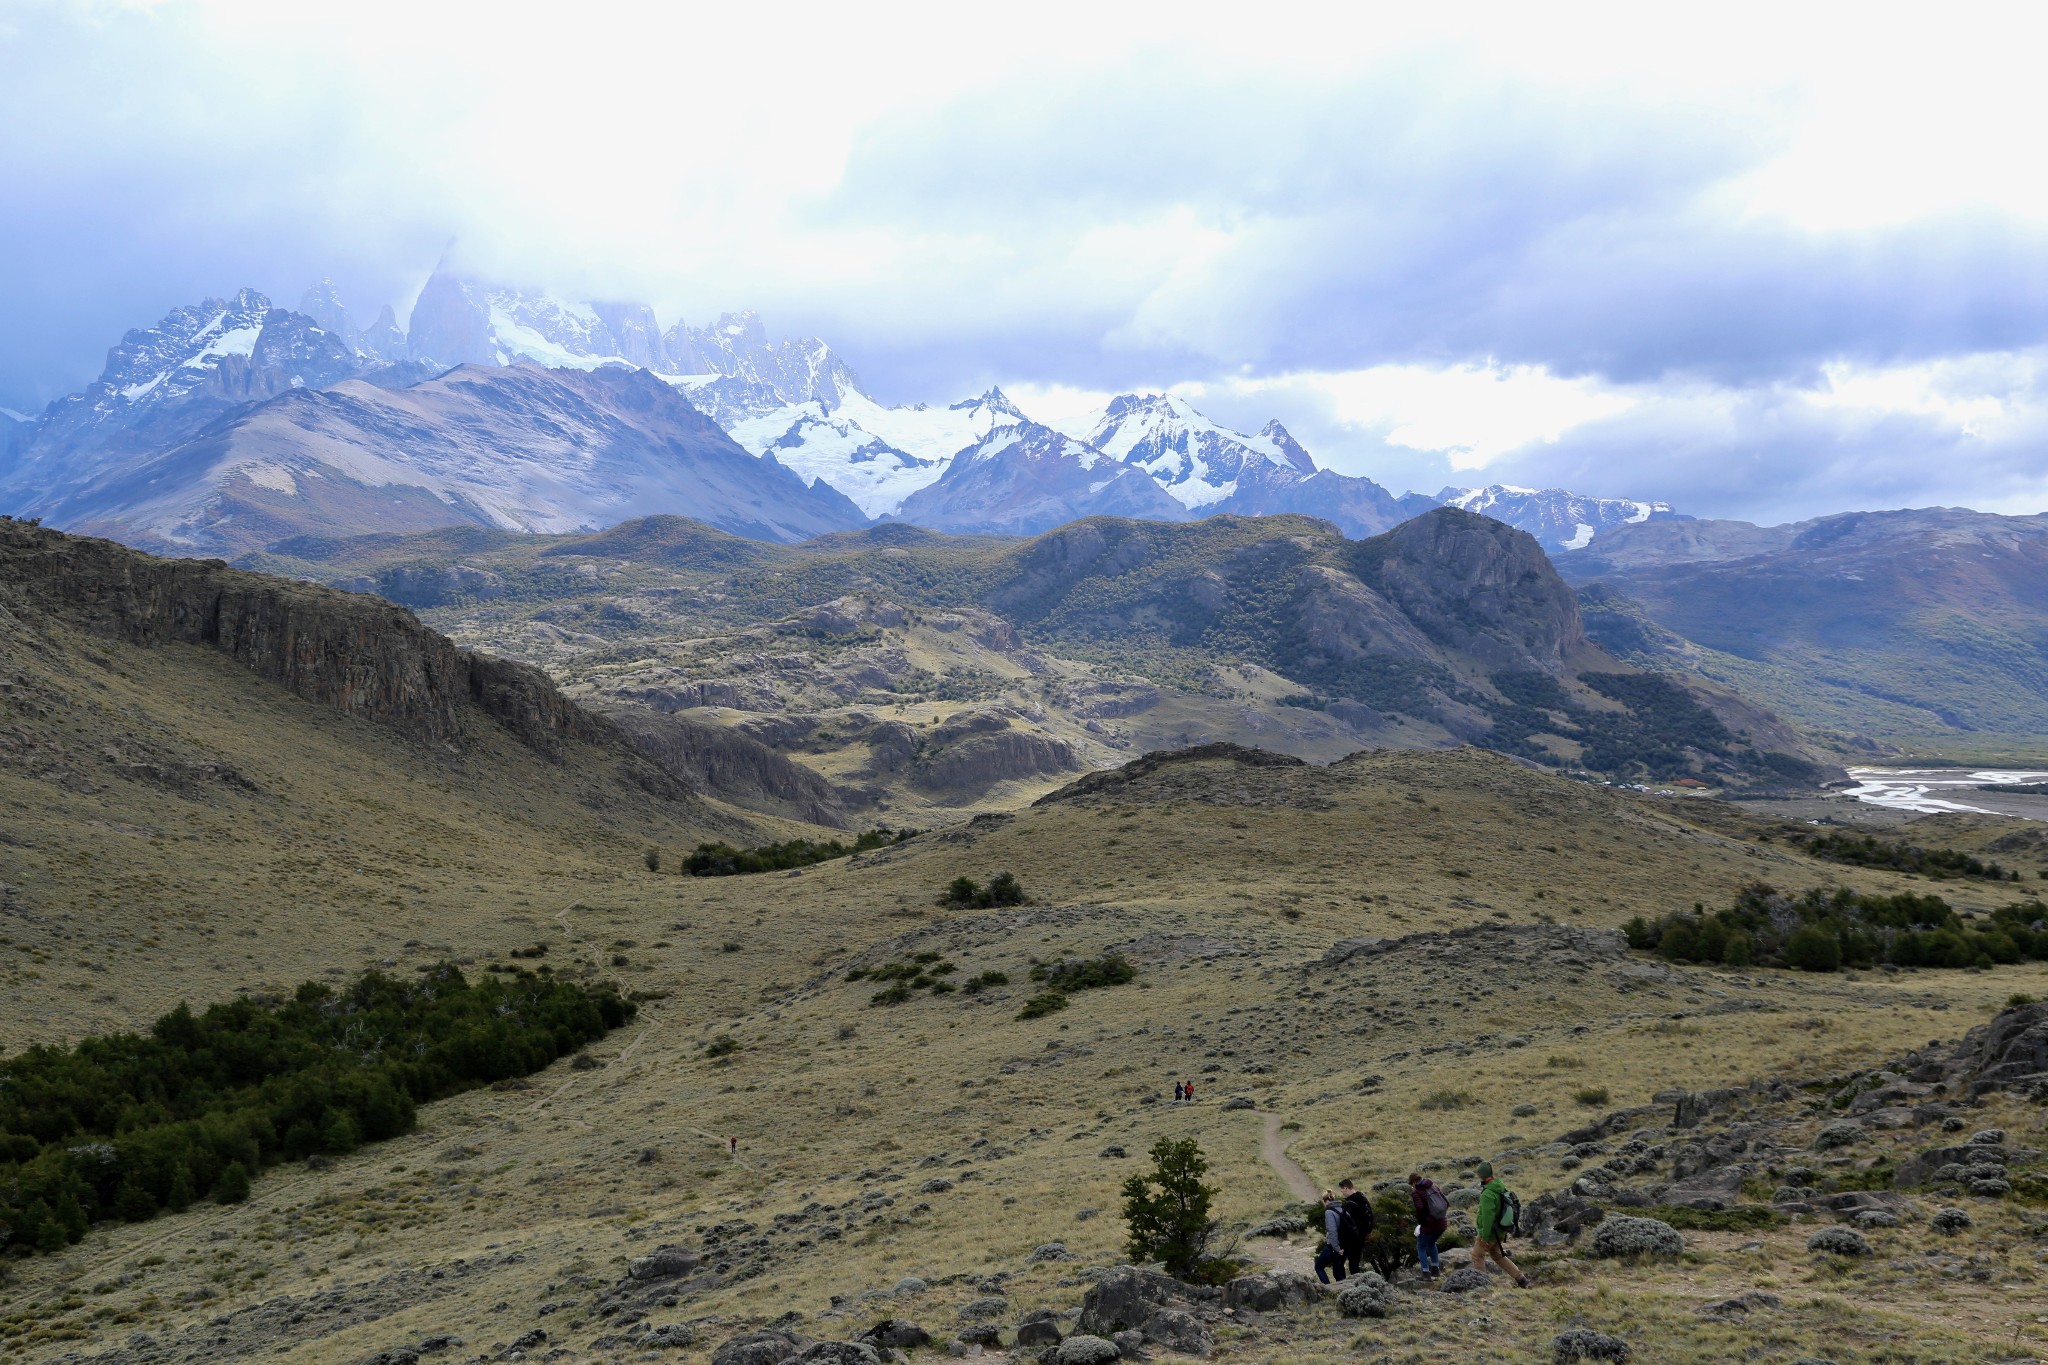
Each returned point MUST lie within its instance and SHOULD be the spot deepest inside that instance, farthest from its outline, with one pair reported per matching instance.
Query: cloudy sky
(1757, 263)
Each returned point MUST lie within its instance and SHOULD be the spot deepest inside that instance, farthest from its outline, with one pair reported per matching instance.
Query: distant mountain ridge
(137, 453)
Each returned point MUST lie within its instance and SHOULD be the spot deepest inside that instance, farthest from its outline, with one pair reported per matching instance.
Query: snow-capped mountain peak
(1194, 459)
(1558, 518)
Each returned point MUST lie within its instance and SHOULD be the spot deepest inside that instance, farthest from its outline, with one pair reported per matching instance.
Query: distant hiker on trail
(732, 1148)
(1432, 1220)
(1359, 1222)
(1494, 1203)
(1188, 1088)
(1179, 1093)
(1330, 1255)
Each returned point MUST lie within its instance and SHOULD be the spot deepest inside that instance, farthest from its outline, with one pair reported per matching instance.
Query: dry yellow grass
(1226, 884)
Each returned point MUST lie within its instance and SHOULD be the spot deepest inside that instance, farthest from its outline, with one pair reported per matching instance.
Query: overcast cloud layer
(1755, 269)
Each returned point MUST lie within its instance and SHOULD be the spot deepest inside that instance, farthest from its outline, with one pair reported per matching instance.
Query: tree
(1391, 1245)
(233, 1186)
(1813, 949)
(1167, 1210)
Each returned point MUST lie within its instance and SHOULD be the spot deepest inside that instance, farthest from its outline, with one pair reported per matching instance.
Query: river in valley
(1927, 791)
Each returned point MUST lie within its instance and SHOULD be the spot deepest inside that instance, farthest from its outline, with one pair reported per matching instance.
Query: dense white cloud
(1755, 261)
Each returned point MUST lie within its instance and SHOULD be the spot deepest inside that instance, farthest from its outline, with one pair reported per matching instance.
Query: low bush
(1822, 931)
(124, 1126)
(926, 971)
(723, 860)
(1869, 851)
(966, 893)
(1038, 1006)
(1446, 1099)
(1593, 1096)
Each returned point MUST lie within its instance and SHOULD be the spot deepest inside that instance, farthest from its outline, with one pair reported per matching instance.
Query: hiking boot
(1522, 1283)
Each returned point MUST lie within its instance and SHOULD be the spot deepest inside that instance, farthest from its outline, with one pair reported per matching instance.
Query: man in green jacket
(1486, 1246)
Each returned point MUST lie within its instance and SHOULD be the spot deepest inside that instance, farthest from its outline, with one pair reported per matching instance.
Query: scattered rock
(1741, 1306)
(1465, 1279)
(1277, 1227)
(982, 1334)
(936, 1185)
(1086, 1350)
(756, 1348)
(838, 1353)
(1052, 1251)
(1365, 1295)
(908, 1286)
(1623, 1235)
(1949, 1222)
(1582, 1343)
(1124, 1299)
(1720, 1188)
(1131, 1345)
(1113, 1150)
(1838, 1242)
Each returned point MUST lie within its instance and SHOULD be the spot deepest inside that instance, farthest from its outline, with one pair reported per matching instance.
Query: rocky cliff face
(739, 768)
(355, 654)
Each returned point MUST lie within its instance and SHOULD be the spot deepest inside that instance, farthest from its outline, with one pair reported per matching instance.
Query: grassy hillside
(878, 1141)
(1921, 629)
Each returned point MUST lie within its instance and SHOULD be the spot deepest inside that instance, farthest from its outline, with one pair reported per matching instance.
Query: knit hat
(1486, 1170)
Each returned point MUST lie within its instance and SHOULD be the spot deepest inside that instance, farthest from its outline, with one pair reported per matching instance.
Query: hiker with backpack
(1432, 1220)
(1500, 1214)
(1360, 1224)
(1330, 1255)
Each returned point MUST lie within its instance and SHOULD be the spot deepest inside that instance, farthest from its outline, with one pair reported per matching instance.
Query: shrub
(1813, 949)
(1869, 851)
(723, 860)
(1446, 1099)
(724, 1045)
(1905, 930)
(1166, 1210)
(1038, 1006)
(1742, 1218)
(966, 893)
(1085, 974)
(233, 1185)
(1593, 1096)
(653, 860)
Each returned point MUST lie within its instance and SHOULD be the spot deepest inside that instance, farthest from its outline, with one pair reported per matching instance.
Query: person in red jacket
(1432, 1218)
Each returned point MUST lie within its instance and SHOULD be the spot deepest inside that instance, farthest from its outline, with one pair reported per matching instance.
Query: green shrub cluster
(723, 860)
(1068, 975)
(125, 1126)
(966, 893)
(1870, 851)
(1823, 931)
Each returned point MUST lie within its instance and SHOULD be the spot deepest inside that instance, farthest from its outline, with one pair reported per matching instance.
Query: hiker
(732, 1147)
(1486, 1246)
(1359, 1209)
(1330, 1255)
(1178, 1092)
(1432, 1220)
(1188, 1087)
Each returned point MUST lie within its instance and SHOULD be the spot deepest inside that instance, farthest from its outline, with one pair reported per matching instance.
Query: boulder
(1694, 1107)
(756, 1348)
(662, 1263)
(1365, 1295)
(1043, 1331)
(1179, 1330)
(982, 1334)
(1278, 1227)
(1583, 1343)
(1554, 1219)
(894, 1332)
(1465, 1279)
(1720, 1188)
(2010, 1050)
(1086, 1350)
(1928, 1165)
(1625, 1236)
(1124, 1299)
(1131, 1345)
(1051, 1251)
(1741, 1306)
(1838, 1242)
(1269, 1293)
(1115, 1149)
(908, 1286)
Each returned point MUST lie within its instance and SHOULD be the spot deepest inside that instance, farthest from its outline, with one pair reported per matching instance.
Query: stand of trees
(126, 1126)
(1823, 931)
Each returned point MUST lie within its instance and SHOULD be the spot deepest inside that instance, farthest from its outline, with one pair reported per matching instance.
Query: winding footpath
(1291, 1175)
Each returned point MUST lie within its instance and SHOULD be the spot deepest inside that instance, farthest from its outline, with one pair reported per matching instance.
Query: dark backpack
(1510, 1220)
(1439, 1207)
(1359, 1209)
(1348, 1235)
